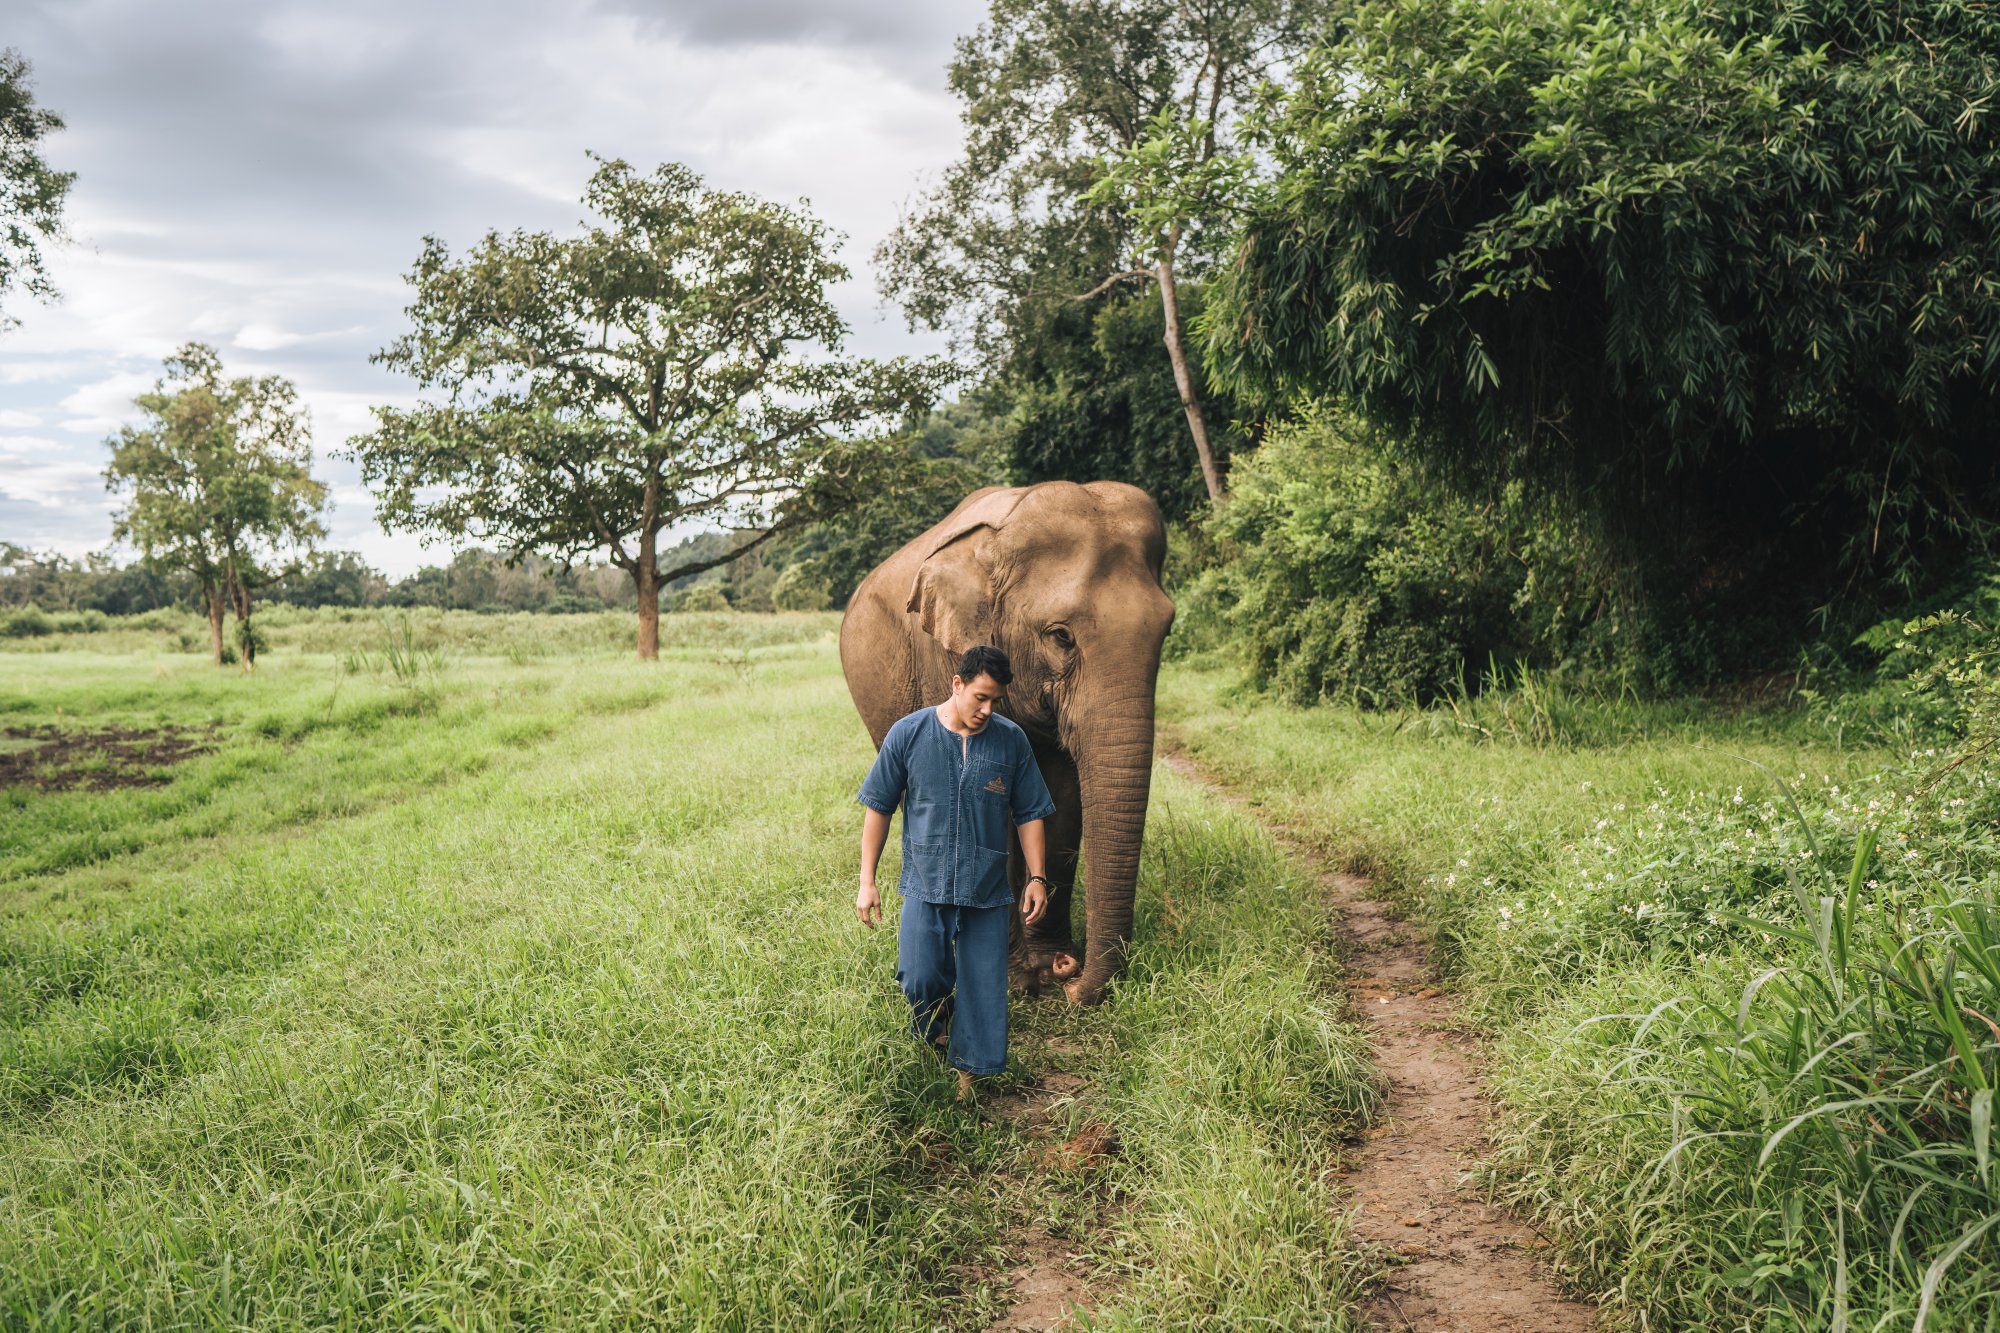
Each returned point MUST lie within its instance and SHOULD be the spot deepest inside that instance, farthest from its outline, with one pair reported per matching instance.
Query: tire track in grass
(1453, 1262)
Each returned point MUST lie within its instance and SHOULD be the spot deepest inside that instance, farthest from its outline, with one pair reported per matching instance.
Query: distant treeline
(955, 451)
(473, 580)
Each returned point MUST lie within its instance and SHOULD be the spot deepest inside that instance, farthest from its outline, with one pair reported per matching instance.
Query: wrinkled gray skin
(1021, 568)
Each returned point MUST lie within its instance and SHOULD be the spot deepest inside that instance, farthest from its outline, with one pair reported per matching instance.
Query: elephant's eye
(1061, 636)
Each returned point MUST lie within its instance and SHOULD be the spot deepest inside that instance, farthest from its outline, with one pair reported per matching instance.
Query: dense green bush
(1721, 274)
(30, 622)
(1346, 575)
(701, 597)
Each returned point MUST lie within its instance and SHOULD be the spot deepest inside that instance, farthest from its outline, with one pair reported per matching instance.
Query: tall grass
(1747, 1031)
(1804, 1129)
(543, 1004)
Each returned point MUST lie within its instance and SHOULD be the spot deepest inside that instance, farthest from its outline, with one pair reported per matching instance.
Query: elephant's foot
(1043, 967)
(1081, 995)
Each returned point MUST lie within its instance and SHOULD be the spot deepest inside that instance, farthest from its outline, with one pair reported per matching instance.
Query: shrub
(29, 622)
(797, 590)
(701, 597)
(1350, 577)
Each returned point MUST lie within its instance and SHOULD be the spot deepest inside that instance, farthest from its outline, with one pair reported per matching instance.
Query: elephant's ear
(953, 597)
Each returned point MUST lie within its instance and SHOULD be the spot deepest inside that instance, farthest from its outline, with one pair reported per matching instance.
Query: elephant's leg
(1046, 952)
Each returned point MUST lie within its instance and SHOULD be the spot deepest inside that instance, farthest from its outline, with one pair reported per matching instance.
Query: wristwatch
(1043, 878)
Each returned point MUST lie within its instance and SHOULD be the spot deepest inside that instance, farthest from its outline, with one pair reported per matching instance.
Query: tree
(1092, 399)
(951, 455)
(1721, 276)
(32, 193)
(219, 483)
(645, 375)
(330, 578)
(1053, 91)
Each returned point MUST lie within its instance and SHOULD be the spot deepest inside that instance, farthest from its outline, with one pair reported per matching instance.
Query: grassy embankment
(1745, 1084)
(522, 986)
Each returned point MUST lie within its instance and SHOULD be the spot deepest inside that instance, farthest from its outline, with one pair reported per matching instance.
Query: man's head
(982, 679)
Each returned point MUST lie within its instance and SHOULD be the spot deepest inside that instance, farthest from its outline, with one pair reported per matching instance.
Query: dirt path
(1048, 1280)
(1459, 1265)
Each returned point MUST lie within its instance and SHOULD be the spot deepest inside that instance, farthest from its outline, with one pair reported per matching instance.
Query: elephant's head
(1065, 579)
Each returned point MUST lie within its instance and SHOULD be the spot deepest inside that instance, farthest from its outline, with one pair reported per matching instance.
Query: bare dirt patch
(47, 758)
(1456, 1264)
(1049, 1281)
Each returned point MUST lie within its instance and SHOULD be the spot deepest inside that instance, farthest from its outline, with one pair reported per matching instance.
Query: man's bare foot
(964, 1086)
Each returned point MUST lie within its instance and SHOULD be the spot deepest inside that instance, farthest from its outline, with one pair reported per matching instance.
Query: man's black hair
(984, 660)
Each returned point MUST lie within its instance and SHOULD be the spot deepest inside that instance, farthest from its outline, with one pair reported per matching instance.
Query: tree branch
(701, 566)
(1112, 281)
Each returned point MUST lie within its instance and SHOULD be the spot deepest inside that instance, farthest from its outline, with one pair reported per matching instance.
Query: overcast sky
(258, 175)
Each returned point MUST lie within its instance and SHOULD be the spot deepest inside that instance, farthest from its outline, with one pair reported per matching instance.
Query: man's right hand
(868, 904)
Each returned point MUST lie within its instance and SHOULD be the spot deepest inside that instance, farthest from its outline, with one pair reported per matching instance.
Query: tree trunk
(1183, 379)
(647, 578)
(246, 642)
(211, 596)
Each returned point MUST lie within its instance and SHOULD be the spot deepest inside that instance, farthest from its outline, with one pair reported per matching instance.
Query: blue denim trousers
(952, 965)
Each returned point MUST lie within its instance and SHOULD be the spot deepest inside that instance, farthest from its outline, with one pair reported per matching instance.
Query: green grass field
(521, 987)
(1746, 1081)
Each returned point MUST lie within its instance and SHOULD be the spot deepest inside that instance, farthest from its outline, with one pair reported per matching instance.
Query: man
(962, 773)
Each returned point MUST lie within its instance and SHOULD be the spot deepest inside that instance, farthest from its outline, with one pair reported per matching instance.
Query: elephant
(1065, 579)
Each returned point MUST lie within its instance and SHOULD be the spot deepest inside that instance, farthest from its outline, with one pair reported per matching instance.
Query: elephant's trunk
(1116, 769)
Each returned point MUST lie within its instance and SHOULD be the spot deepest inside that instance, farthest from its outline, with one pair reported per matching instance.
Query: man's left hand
(1034, 901)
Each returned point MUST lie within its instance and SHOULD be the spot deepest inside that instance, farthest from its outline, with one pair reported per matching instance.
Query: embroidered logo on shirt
(997, 786)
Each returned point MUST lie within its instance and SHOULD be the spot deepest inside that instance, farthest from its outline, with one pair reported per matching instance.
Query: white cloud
(104, 405)
(259, 175)
(35, 472)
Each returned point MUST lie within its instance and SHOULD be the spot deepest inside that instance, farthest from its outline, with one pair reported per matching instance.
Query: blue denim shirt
(956, 809)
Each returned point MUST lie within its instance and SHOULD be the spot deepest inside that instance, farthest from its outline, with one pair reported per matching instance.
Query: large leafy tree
(32, 193)
(648, 374)
(1722, 274)
(1092, 398)
(218, 483)
(1013, 237)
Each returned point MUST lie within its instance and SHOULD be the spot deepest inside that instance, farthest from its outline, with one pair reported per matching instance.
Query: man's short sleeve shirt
(958, 802)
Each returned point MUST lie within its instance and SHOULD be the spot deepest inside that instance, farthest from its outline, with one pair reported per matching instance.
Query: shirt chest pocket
(991, 788)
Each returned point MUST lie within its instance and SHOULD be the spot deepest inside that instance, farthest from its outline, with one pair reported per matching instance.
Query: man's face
(973, 700)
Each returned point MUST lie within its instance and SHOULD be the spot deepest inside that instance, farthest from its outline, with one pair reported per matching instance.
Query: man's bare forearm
(874, 833)
(1034, 837)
